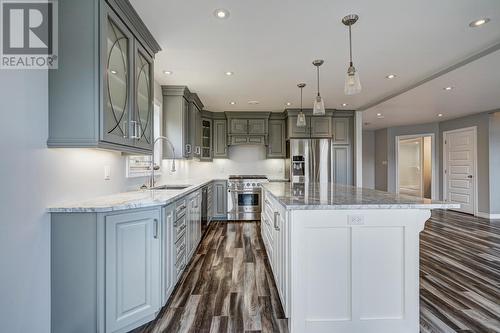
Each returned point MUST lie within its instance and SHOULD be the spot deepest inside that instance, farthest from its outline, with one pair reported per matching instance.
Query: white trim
(358, 149)
(434, 194)
(474, 162)
(488, 216)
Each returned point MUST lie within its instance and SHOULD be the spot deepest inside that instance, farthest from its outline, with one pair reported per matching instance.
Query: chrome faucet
(153, 167)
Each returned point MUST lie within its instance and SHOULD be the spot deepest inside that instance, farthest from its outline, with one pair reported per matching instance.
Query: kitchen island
(345, 259)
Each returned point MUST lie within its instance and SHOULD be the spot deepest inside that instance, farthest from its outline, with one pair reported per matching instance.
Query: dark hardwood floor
(459, 274)
(229, 286)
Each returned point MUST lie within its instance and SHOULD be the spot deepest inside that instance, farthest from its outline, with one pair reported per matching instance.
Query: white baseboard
(488, 215)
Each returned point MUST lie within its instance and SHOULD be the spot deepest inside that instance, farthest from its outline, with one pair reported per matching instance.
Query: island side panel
(355, 270)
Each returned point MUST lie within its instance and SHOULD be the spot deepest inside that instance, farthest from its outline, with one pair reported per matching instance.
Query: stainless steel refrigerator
(309, 160)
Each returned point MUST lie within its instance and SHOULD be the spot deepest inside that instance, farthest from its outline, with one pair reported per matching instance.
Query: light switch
(107, 172)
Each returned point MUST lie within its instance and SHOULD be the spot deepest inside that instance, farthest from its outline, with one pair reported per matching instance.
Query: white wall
(369, 159)
(31, 178)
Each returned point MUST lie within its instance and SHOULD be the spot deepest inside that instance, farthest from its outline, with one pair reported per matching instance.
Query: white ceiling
(270, 44)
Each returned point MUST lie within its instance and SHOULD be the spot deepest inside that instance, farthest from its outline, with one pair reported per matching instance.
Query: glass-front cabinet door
(206, 139)
(116, 125)
(143, 114)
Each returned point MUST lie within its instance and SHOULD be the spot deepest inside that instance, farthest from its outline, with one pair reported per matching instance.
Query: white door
(459, 165)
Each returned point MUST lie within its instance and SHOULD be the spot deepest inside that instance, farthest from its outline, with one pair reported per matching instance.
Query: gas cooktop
(247, 177)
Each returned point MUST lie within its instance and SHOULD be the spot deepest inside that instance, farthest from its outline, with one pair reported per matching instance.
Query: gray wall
(381, 160)
(495, 163)
(369, 159)
(480, 120)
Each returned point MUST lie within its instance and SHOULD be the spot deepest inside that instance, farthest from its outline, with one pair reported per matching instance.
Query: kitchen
(193, 182)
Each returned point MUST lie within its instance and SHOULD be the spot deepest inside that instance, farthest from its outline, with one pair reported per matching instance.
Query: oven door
(244, 205)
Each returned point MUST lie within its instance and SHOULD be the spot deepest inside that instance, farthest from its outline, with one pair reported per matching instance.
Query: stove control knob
(248, 184)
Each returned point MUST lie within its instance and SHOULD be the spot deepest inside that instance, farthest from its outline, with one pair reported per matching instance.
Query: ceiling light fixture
(344, 104)
(478, 23)
(448, 88)
(379, 114)
(352, 81)
(168, 72)
(440, 114)
(301, 117)
(229, 73)
(390, 76)
(319, 103)
(221, 13)
(232, 103)
(288, 103)
(113, 72)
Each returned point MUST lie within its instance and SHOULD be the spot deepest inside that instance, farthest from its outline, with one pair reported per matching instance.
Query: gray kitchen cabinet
(341, 164)
(277, 145)
(295, 132)
(238, 139)
(111, 106)
(220, 138)
(194, 128)
(238, 126)
(321, 127)
(168, 252)
(206, 139)
(193, 223)
(132, 284)
(220, 199)
(176, 121)
(341, 130)
(257, 126)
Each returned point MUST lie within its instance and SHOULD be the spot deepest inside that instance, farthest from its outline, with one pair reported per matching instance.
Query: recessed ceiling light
(479, 22)
(168, 72)
(253, 102)
(229, 73)
(288, 103)
(440, 114)
(113, 72)
(390, 76)
(232, 103)
(344, 104)
(379, 114)
(448, 88)
(221, 13)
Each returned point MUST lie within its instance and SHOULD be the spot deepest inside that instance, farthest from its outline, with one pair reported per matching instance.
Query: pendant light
(301, 117)
(319, 104)
(352, 82)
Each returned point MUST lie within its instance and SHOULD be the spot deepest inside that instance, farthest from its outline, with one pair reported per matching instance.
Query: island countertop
(335, 196)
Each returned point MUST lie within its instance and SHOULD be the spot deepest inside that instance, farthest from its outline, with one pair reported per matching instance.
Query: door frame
(474, 163)
(434, 194)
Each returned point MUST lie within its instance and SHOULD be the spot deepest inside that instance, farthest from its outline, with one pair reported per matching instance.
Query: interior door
(410, 165)
(459, 150)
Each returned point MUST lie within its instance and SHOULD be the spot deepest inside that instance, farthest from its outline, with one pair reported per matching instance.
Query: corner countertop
(128, 200)
(335, 196)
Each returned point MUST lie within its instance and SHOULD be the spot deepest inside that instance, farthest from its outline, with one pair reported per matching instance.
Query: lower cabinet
(193, 234)
(132, 284)
(168, 252)
(220, 199)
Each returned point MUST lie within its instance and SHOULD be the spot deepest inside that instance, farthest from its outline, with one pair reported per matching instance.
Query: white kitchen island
(345, 259)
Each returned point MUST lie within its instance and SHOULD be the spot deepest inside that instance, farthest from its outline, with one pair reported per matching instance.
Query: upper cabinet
(220, 138)
(295, 132)
(247, 127)
(341, 130)
(277, 143)
(206, 139)
(101, 95)
(316, 127)
(176, 121)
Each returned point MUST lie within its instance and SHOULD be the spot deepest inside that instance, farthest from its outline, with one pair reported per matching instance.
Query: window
(140, 165)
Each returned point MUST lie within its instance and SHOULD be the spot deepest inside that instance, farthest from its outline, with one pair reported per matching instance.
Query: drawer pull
(276, 214)
(156, 228)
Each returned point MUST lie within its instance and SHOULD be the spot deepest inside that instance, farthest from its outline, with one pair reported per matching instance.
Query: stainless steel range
(244, 197)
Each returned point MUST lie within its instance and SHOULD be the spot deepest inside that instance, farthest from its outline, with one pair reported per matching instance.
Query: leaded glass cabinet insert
(118, 127)
(144, 105)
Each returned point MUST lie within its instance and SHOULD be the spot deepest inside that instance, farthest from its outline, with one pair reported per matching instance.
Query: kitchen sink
(171, 187)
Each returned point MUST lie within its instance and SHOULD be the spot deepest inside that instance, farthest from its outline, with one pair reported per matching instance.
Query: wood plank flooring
(459, 274)
(229, 285)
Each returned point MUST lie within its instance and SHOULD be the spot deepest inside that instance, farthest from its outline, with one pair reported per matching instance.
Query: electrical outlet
(107, 172)
(355, 220)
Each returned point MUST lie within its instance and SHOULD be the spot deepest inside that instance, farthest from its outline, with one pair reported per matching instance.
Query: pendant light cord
(301, 99)
(317, 67)
(350, 46)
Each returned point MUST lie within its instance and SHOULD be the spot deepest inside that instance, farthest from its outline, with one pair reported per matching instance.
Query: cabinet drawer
(238, 140)
(180, 265)
(256, 140)
(179, 228)
(180, 208)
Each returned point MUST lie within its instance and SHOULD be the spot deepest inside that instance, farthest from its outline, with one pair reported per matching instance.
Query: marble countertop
(336, 196)
(128, 200)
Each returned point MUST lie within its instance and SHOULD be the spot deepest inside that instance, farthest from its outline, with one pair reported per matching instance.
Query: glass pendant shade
(352, 82)
(319, 106)
(301, 119)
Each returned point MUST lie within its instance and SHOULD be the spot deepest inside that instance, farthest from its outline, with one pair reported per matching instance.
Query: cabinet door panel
(256, 126)
(277, 147)
(220, 139)
(143, 98)
(342, 165)
(118, 81)
(239, 126)
(220, 197)
(321, 127)
(206, 139)
(341, 131)
(298, 132)
(132, 268)
(239, 140)
(169, 252)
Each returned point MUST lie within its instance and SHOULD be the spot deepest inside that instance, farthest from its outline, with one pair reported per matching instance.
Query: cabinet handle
(276, 214)
(188, 149)
(156, 229)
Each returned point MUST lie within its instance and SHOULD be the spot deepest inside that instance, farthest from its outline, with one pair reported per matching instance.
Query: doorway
(460, 161)
(415, 172)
